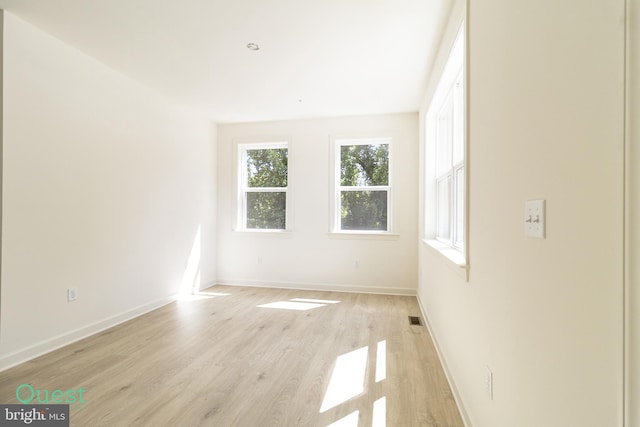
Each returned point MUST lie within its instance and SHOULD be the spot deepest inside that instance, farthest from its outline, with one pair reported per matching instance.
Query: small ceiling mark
(253, 46)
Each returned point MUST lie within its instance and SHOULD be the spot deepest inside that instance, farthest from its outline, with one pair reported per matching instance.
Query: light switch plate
(534, 218)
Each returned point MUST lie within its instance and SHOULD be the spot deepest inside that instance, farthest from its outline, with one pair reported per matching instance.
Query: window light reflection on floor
(381, 361)
(197, 296)
(379, 413)
(291, 305)
(350, 420)
(347, 379)
(317, 301)
(212, 294)
(300, 304)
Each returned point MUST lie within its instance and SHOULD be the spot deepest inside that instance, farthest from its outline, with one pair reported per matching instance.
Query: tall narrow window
(449, 168)
(445, 171)
(363, 186)
(263, 184)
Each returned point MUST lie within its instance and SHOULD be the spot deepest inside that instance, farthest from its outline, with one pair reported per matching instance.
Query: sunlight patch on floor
(291, 305)
(347, 379)
(381, 361)
(197, 296)
(213, 294)
(379, 413)
(316, 301)
(350, 420)
(300, 304)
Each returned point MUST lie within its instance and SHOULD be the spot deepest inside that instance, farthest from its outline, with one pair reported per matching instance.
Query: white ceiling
(317, 57)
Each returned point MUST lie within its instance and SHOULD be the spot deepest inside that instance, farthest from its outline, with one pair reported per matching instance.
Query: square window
(267, 167)
(364, 165)
(363, 210)
(267, 211)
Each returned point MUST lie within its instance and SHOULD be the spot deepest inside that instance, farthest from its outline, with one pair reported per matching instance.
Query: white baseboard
(67, 338)
(443, 361)
(333, 287)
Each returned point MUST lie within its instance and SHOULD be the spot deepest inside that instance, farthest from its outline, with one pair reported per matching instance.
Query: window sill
(264, 233)
(364, 235)
(451, 256)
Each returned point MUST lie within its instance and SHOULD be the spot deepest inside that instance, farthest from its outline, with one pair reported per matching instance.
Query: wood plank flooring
(223, 360)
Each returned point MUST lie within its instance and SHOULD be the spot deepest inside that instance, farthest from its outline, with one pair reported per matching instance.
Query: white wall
(309, 257)
(546, 121)
(105, 187)
(633, 258)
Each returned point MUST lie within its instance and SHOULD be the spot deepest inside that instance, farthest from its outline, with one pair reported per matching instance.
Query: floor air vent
(415, 320)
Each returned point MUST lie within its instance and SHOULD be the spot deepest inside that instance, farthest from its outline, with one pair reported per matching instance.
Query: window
(363, 192)
(445, 130)
(449, 168)
(263, 184)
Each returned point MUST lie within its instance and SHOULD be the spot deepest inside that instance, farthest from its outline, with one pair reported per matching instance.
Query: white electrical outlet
(72, 294)
(488, 383)
(356, 263)
(534, 218)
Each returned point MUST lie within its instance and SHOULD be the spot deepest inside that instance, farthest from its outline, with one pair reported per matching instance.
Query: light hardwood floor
(222, 360)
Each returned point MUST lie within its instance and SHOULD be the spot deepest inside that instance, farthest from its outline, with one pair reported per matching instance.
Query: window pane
(267, 167)
(458, 121)
(363, 210)
(443, 228)
(363, 165)
(459, 208)
(266, 210)
(444, 136)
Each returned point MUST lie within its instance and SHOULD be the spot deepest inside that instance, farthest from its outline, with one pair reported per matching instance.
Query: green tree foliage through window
(266, 184)
(267, 167)
(362, 165)
(364, 181)
(266, 210)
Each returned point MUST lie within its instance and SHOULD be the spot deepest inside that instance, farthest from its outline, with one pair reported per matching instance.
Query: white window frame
(451, 88)
(452, 104)
(243, 187)
(336, 202)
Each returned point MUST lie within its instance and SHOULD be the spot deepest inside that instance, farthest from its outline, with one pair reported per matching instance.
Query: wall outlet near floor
(488, 383)
(72, 294)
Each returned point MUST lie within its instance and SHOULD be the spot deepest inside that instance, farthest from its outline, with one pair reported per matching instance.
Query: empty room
(320, 213)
